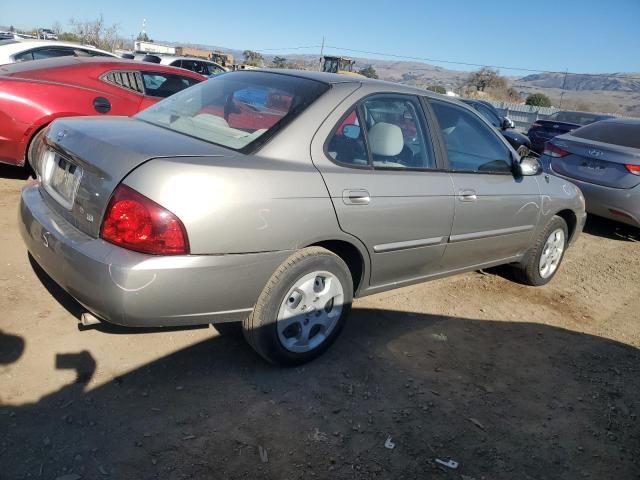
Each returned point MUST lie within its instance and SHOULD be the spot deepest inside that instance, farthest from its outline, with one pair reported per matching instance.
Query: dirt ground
(511, 382)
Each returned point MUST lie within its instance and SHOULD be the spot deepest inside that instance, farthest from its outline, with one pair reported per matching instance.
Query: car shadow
(603, 227)
(13, 172)
(503, 399)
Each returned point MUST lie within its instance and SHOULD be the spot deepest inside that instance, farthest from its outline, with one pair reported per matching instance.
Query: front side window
(471, 145)
(164, 85)
(237, 109)
(395, 135)
(489, 116)
(213, 69)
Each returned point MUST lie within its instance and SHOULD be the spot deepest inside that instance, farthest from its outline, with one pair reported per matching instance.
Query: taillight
(554, 151)
(535, 125)
(635, 169)
(136, 222)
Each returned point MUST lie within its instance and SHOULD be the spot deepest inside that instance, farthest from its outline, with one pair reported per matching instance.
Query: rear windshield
(578, 118)
(616, 133)
(236, 110)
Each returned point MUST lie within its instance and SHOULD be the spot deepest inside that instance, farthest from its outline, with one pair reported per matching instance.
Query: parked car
(277, 213)
(46, 34)
(198, 65)
(541, 131)
(603, 159)
(24, 50)
(505, 126)
(7, 35)
(36, 93)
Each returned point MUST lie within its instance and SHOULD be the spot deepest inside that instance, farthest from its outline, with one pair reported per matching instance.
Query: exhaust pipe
(88, 319)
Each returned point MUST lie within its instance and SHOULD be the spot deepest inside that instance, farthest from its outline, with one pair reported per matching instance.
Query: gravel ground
(508, 381)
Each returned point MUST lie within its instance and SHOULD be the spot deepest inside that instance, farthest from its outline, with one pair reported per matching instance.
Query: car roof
(339, 78)
(172, 58)
(598, 115)
(70, 62)
(20, 45)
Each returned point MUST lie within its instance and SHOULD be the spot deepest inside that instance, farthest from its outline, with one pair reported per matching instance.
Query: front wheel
(302, 309)
(545, 256)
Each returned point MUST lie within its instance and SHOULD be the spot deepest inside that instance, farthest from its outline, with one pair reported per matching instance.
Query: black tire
(260, 328)
(528, 271)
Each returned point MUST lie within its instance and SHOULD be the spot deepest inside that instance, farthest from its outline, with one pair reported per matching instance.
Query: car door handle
(467, 196)
(356, 197)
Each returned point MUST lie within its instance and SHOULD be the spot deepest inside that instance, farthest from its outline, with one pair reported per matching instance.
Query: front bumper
(134, 289)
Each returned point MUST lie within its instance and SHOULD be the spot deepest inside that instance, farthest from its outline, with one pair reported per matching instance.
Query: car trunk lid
(596, 162)
(86, 158)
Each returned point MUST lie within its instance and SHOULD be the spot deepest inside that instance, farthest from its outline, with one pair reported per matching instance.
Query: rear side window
(395, 135)
(616, 133)
(579, 118)
(42, 53)
(471, 145)
(125, 79)
(164, 85)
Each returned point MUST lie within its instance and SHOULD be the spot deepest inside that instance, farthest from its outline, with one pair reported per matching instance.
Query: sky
(584, 36)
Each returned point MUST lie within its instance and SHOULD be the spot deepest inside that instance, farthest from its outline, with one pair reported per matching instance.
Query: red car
(33, 94)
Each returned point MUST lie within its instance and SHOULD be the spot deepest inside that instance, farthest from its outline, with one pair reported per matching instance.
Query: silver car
(274, 198)
(603, 159)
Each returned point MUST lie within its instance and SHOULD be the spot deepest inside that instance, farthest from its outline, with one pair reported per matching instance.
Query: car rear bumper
(134, 289)
(622, 205)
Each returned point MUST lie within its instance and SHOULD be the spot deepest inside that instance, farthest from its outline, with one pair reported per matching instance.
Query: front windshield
(236, 109)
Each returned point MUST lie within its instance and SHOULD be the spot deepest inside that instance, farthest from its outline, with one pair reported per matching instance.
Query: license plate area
(60, 178)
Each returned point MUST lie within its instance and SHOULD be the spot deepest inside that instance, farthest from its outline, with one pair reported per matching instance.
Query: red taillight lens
(635, 169)
(535, 125)
(136, 222)
(553, 151)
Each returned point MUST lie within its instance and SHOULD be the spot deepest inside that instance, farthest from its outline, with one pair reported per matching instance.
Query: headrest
(385, 139)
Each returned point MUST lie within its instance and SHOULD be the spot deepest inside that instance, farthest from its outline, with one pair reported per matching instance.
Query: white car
(22, 50)
(198, 65)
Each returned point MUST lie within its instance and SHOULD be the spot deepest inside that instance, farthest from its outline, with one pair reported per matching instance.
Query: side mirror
(528, 167)
(507, 123)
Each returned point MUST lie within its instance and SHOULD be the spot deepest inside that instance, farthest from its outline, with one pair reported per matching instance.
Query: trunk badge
(595, 153)
(45, 239)
(61, 134)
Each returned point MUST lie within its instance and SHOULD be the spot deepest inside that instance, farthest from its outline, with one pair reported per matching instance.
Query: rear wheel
(543, 259)
(302, 309)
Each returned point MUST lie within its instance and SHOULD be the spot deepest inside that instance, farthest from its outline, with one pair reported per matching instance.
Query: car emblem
(45, 239)
(556, 126)
(595, 153)
(61, 134)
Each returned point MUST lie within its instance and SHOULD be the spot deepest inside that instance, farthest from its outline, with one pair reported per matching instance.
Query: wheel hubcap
(310, 311)
(551, 253)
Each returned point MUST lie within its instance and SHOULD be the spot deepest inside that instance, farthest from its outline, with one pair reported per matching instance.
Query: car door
(495, 211)
(382, 175)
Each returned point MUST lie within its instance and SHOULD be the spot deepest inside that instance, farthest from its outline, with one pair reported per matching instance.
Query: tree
(95, 33)
(252, 58)
(438, 89)
(538, 100)
(513, 95)
(11, 29)
(368, 72)
(279, 62)
(143, 37)
(56, 28)
(487, 78)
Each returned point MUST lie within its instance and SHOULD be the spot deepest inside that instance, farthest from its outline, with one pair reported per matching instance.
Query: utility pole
(321, 54)
(564, 82)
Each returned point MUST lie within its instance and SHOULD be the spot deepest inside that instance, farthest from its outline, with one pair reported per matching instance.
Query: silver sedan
(603, 160)
(274, 198)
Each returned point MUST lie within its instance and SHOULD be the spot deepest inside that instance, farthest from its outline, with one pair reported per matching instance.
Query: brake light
(635, 169)
(554, 151)
(535, 125)
(137, 223)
